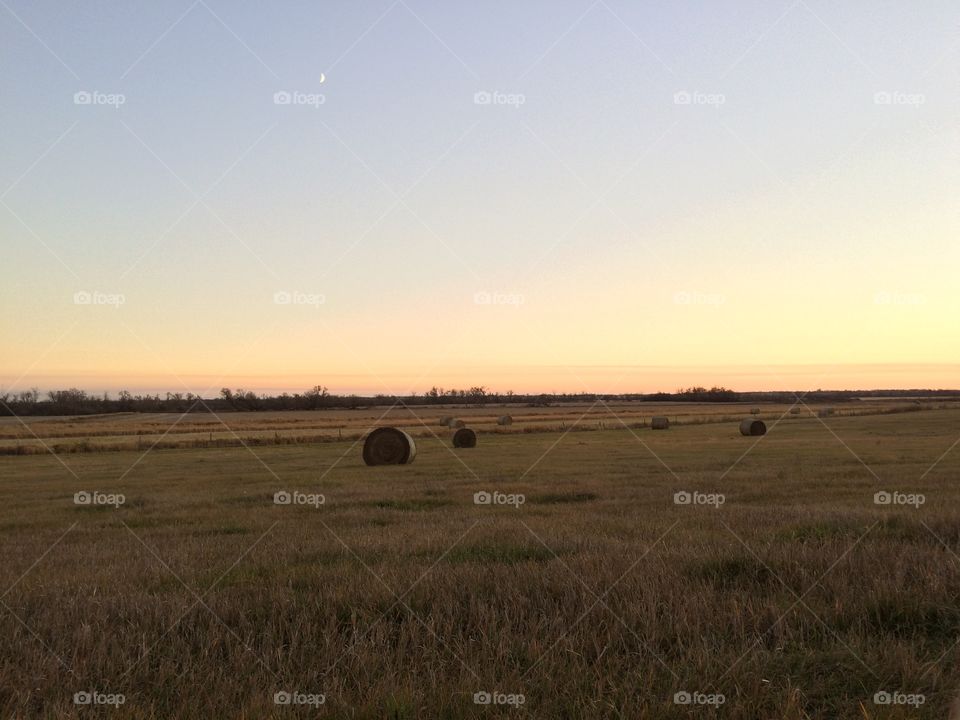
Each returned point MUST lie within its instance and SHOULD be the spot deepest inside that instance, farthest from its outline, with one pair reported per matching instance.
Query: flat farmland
(614, 573)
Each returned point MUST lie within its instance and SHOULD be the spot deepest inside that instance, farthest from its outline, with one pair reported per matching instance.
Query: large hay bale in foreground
(464, 438)
(660, 423)
(455, 423)
(750, 426)
(505, 420)
(389, 446)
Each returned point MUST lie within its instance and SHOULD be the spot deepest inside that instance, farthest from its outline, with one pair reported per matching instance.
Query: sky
(381, 196)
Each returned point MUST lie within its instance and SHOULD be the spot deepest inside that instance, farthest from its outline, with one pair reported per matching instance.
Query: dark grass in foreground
(399, 597)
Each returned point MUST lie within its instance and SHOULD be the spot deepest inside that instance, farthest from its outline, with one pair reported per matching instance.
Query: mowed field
(794, 595)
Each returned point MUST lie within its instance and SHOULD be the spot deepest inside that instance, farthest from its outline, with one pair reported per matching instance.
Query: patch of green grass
(255, 499)
(419, 505)
(151, 521)
(834, 673)
(222, 530)
(559, 498)
(731, 572)
(898, 527)
(819, 532)
(903, 617)
(256, 575)
(498, 554)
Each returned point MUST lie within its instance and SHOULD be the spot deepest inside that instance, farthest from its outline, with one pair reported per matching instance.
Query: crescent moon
(323, 78)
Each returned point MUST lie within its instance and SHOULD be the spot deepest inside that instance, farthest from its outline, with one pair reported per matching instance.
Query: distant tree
(316, 396)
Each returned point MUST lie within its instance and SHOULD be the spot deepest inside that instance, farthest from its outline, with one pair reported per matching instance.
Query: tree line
(74, 401)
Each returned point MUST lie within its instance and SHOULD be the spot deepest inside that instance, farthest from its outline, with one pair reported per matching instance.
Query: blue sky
(811, 172)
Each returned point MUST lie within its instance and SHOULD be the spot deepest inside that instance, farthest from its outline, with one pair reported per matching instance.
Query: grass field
(398, 596)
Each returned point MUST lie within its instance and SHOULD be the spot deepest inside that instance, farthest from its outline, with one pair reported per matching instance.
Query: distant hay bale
(751, 426)
(794, 411)
(825, 412)
(505, 420)
(455, 423)
(660, 423)
(445, 420)
(464, 438)
(389, 446)
(755, 411)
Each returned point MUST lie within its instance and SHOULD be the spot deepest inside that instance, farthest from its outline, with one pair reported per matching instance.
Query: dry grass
(598, 597)
(165, 431)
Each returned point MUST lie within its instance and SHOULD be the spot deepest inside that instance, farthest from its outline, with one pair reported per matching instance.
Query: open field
(142, 431)
(597, 597)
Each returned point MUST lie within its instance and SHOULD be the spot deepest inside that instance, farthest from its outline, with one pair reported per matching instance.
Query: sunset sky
(601, 196)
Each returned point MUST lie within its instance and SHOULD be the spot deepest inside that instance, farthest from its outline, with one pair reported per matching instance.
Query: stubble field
(587, 588)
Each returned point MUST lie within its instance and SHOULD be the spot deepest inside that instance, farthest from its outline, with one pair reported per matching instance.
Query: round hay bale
(755, 411)
(445, 420)
(464, 438)
(389, 446)
(505, 420)
(794, 411)
(660, 423)
(455, 423)
(825, 412)
(750, 426)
